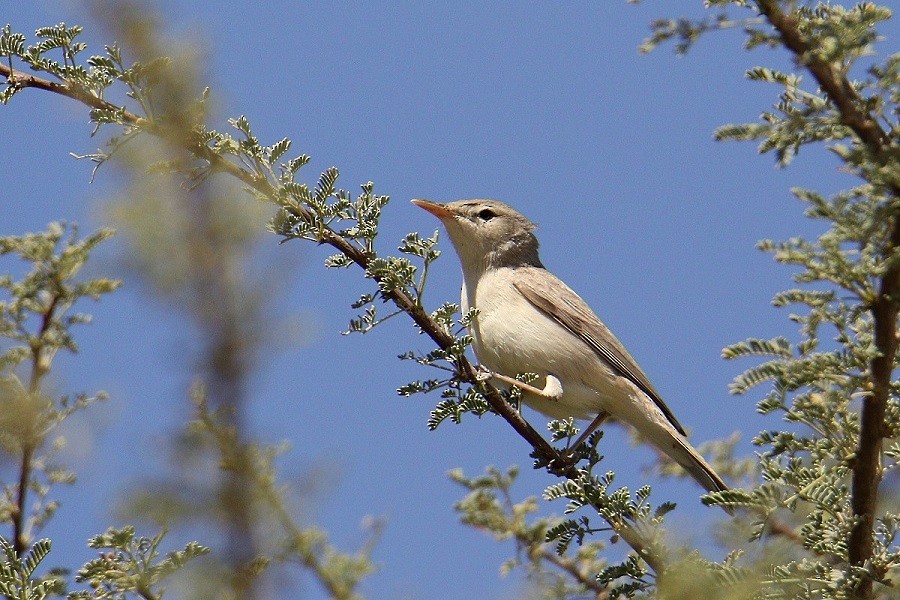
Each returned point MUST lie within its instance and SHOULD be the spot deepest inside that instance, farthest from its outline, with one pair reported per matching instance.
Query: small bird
(529, 321)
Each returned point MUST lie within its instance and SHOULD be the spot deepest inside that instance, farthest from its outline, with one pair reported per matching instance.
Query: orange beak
(438, 210)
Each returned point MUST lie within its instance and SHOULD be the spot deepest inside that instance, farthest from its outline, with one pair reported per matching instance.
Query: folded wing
(570, 311)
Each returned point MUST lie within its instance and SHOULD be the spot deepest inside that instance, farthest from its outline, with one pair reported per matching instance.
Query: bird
(529, 321)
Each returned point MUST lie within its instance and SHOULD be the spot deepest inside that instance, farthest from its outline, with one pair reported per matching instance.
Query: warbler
(529, 321)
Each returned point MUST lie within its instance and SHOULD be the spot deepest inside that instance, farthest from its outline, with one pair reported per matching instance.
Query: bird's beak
(438, 210)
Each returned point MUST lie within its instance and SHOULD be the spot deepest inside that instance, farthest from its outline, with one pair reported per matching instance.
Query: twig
(19, 542)
(601, 592)
(834, 83)
(29, 441)
(779, 528)
(647, 549)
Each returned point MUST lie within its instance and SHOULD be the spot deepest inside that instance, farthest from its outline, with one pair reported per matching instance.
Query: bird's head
(487, 233)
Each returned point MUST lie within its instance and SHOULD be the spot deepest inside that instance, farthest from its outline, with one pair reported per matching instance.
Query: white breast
(511, 336)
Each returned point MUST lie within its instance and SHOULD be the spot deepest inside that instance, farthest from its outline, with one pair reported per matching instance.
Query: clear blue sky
(548, 107)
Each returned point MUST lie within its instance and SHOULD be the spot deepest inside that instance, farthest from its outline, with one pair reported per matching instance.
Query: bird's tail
(658, 429)
(692, 462)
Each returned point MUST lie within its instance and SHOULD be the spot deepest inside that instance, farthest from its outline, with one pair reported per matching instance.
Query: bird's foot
(561, 466)
(482, 373)
(552, 388)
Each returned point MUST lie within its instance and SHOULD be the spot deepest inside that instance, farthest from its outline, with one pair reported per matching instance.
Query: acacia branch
(20, 541)
(867, 468)
(833, 81)
(647, 549)
(601, 592)
(30, 441)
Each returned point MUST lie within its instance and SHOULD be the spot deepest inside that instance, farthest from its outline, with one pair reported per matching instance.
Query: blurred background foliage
(193, 209)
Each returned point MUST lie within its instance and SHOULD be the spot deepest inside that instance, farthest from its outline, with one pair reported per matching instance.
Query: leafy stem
(303, 214)
(867, 470)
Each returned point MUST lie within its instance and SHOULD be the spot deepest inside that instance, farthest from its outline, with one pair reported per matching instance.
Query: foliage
(44, 296)
(36, 319)
(815, 466)
(16, 573)
(129, 564)
(556, 573)
(245, 466)
(821, 470)
(339, 573)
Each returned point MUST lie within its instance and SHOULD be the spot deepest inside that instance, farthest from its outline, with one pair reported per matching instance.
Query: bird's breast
(512, 336)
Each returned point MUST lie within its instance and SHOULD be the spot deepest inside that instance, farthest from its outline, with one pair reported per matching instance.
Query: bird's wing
(554, 298)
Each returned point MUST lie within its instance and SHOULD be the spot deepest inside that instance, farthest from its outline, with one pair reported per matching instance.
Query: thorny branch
(648, 549)
(867, 469)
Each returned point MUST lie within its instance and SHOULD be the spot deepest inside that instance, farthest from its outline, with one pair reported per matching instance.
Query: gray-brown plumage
(529, 321)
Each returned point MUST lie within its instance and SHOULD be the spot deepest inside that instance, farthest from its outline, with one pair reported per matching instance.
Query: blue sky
(549, 107)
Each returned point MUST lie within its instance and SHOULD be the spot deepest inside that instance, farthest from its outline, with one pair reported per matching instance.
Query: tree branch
(648, 550)
(30, 441)
(831, 78)
(601, 592)
(20, 542)
(867, 469)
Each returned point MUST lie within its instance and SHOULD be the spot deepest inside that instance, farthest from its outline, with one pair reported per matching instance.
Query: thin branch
(779, 528)
(647, 549)
(29, 443)
(831, 78)
(525, 541)
(867, 470)
(19, 542)
(146, 593)
(601, 592)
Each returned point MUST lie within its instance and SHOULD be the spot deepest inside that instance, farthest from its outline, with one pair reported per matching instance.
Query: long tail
(659, 430)
(685, 455)
(656, 427)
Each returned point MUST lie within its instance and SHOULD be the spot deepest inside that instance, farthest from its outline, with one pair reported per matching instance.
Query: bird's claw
(482, 373)
(561, 466)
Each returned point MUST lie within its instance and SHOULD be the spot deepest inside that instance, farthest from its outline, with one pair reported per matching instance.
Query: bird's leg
(597, 422)
(552, 388)
(568, 457)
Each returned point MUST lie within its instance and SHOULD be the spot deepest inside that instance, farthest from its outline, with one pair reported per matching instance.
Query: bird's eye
(486, 214)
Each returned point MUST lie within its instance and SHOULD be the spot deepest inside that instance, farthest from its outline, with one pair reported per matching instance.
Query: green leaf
(277, 150)
(777, 347)
(753, 377)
